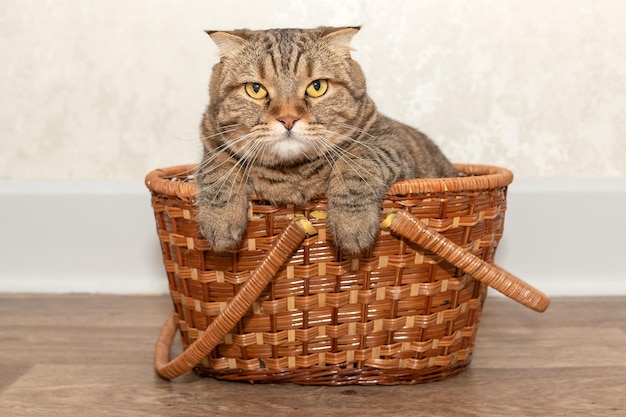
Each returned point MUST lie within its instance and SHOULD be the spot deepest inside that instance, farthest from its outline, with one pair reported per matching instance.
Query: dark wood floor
(92, 356)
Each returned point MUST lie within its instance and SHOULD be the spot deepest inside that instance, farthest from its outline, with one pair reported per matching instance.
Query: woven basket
(288, 306)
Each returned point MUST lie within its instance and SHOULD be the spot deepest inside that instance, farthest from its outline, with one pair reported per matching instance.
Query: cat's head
(284, 96)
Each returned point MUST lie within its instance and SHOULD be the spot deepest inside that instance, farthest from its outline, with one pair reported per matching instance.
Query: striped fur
(291, 147)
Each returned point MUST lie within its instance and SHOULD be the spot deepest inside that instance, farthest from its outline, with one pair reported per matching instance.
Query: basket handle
(413, 229)
(288, 241)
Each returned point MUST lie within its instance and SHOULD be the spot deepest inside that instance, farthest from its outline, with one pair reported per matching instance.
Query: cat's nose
(288, 121)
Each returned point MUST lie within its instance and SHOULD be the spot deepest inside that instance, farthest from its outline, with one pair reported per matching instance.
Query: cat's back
(428, 160)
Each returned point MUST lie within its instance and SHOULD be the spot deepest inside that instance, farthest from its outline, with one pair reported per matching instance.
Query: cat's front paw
(354, 231)
(223, 227)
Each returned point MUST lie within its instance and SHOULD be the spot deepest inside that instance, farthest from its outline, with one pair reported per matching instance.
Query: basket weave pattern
(396, 314)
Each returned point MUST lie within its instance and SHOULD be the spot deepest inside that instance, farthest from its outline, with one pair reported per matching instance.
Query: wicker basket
(288, 306)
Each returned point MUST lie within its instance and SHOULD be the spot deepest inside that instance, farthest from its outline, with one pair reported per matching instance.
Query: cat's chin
(288, 151)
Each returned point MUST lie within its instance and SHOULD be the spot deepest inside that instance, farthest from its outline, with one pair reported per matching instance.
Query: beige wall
(109, 89)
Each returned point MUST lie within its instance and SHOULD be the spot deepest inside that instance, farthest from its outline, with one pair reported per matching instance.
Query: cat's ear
(227, 42)
(339, 38)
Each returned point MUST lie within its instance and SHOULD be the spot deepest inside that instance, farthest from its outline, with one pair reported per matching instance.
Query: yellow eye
(317, 88)
(256, 90)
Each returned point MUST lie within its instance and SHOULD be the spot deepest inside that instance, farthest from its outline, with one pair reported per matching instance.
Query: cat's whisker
(220, 183)
(346, 150)
(243, 164)
(259, 150)
(249, 160)
(229, 126)
(217, 134)
(219, 150)
(355, 128)
(350, 160)
(359, 160)
(186, 173)
(350, 139)
(206, 161)
(217, 184)
(323, 154)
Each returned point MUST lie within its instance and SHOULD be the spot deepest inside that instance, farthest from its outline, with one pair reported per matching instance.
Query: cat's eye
(256, 90)
(317, 88)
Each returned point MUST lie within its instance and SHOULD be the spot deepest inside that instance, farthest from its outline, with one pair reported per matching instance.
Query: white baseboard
(67, 237)
(564, 236)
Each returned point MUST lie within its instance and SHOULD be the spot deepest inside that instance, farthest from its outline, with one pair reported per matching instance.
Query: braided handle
(413, 229)
(288, 241)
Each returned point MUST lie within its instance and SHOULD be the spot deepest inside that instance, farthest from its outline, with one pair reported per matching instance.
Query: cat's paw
(354, 231)
(223, 227)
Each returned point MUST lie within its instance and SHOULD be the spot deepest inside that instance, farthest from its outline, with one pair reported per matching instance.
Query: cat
(289, 118)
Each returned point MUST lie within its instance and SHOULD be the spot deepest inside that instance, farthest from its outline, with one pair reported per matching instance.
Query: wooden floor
(91, 356)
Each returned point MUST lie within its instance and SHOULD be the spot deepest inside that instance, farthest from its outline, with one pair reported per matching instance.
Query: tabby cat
(289, 117)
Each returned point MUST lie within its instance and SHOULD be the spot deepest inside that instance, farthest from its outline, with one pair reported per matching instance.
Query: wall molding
(564, 236)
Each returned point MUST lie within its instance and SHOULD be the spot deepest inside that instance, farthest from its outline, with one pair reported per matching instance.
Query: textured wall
(108, 89)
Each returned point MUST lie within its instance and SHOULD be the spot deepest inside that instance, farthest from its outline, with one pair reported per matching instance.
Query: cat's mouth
(289, 148)
(280, 147)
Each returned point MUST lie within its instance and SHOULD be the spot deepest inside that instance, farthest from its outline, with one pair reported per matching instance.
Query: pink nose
(288, 121)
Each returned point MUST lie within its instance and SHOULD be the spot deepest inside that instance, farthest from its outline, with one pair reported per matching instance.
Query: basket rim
(479, 177)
